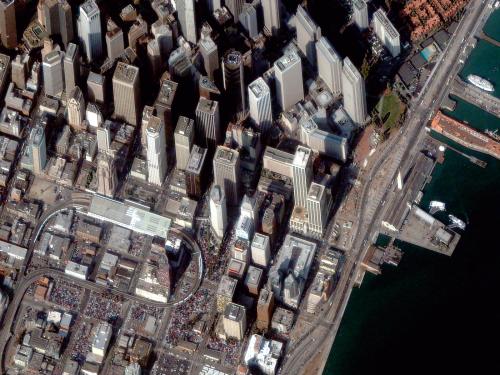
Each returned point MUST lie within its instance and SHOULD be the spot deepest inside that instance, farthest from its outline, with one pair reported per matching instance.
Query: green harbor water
(437, 314)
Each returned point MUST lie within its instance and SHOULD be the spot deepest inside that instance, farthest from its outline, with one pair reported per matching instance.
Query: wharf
(422, 229)
(465, 135)
(476, 96)
(378, 256)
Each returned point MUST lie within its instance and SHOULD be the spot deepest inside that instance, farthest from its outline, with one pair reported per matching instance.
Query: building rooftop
(207, 106)
(196, 159)
(381, 16)
(216, 194)
(284, 62)
(126, 73)
(232, 59)
(167, 91)
(316, 191)
(71, 52)
(234, 312)
(302, 156)
(90, 8)
(306, 21)
(259, 87)
(185, 126)
(226, 155)
(227, 286)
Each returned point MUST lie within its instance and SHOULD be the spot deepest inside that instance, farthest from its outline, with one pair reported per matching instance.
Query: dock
(422, 229)
(476, 96)
(485, 37)
(376, 257)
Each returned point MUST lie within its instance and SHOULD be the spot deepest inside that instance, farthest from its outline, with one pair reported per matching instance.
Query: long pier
(476, 96)
(487, 38)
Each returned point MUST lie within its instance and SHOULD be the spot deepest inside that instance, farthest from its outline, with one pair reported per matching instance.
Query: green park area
(389, 110)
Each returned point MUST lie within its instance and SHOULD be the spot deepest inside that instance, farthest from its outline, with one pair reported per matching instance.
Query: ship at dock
(481, 83)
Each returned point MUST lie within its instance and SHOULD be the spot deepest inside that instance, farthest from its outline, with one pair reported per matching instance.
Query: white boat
(437, 206)
(456, 222)
(480, 82)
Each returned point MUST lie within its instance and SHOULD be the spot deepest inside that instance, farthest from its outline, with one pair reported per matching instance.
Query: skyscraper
(386, 32)
(164, 105)
(104, 137)
(218, 211)
(57, 18)
(71, 67)
(272, 15)
(234, 83)
(360, 14)
(248, 18)
(156, 151)
(329, 65)
(89, 30)
(38, 149)
(302, 175)
(115, 45)
(208, 123)
(76, 108)
(187, 19)
(106, 175)
(8, 26)
(53, 73)
(259, 99)
(234, 321)
(19, 71)
(126, 94)
(353, 89)
(227, 173)
(307, 34)
(184, 137)
(235, 7)
(195, 180)
(318, 208)
(289, 85)
(210, 54)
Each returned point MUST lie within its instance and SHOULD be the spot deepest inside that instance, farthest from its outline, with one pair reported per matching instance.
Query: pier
(476, 96)
(472, 159)
(490, 40)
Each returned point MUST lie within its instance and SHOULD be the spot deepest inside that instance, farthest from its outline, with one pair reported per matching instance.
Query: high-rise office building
(138, 29)
(96, 88)
(154, 58)
(218, 211)
(213, 5)
(207, 89)
(210, 54)
(307, 34)
(360, 14)
(164, 105)
(234, 81)
(106, 175)
(302, 175)
(53, 73)
(227, 173)
(329, 65)
(126, 94)
(162, 33)
(76, 108)
(261, 250)
(248, 19)
(38, 149)
(89, 30)
(235, 7)
(353, 90)
(71, 67)
(386, 32)
(195, 181)
(115, 44)
(234, 321)
(259, 100)
(208, 123)
(8, 26)
(57, 18)
(156, 151)
(104, 137)
(19, 71)
(184, 138)
(272, 15)
(187, 19)
(265, 307)
(318, 208)
(288, 78)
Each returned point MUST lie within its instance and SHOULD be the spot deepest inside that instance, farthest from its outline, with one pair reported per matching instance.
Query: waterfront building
(226, 169)
(272, 16)
(156, 151)
(360, 14)
(126, 94)
(187, 19)
(184, 138)
(115, 44)
(234, 82)
(353, 90)
(76, 108)
(57, 18)
(89, 30)
(8, 26)
(288, 78)
(386, 32)
(53, 73)
(71, 67)
(234, 321)
(208, 123)
(218, 211)
(259, 99)
(307, 34)
(329, 65)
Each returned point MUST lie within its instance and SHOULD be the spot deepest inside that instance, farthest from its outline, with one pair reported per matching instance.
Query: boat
(436, 206)
(493, 134)
(456, 222)
(480, 82)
